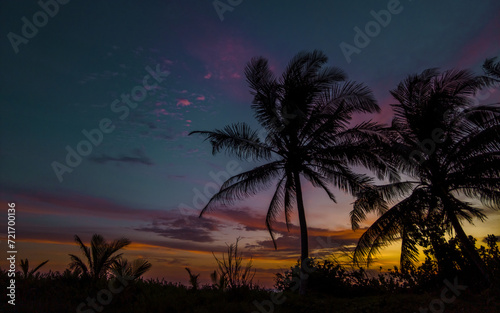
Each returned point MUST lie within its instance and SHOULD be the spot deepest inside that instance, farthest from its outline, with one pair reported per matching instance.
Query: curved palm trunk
(470, 249)
(304, 245)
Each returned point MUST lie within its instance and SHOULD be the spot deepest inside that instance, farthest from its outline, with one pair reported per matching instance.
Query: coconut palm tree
(451, 152)
(305, 116)
(99, 257)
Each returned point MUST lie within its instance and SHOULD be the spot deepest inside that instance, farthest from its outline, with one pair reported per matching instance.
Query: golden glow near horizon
(169, 263)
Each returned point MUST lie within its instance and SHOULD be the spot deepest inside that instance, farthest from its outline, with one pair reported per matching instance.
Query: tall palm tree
(450, 150)
(305, 116)
(99, 257)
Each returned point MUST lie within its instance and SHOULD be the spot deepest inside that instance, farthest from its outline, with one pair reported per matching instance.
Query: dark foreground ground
(156, 297)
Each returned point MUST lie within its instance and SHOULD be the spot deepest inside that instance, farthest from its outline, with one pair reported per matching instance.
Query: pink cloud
(225, 58)
(70, 203)
(201, 98)
(183, 102)
(159, 112)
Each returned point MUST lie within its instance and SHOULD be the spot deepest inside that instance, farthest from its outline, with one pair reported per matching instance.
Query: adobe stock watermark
(95, 136)
(29, 29)
(222, 7)
(372, 29)
(448, 295)
(104, 296)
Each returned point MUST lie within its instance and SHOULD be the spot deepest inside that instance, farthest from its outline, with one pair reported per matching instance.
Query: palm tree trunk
(304, 245)
(470, 249)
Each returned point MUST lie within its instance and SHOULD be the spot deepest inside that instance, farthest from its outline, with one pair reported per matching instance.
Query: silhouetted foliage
(332, 278)
(230, 270)
(305, 117)
(332, 286)
(449, 149)
(193, 279)
(26, 268)
(98, 258)
(491, 68)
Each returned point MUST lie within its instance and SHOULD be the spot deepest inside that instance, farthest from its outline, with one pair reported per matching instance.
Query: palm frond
(388, 228)
(85, 250)
(245, 184)
(238, 139)
(376, 199)
(38, 267)
(318, 181)
(491, 68)
(78, 264)
(276, 205)
(409, 248)
(266, 91)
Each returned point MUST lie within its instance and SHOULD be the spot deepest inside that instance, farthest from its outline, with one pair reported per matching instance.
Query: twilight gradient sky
(147, 180)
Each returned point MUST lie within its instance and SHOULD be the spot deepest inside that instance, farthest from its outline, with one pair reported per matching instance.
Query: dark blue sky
(142, 179)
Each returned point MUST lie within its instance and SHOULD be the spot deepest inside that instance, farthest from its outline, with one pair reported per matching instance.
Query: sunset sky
(145, 179)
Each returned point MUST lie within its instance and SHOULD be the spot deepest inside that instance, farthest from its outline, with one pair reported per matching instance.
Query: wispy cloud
(189, 228)
(137, 157)
(65, 202)
(246, 222)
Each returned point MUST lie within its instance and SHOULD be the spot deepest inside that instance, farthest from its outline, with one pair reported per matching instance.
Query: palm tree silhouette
(25, 267)
(305, 116)
(450, 149)
(135, 269)
(491, 68)
(99, 257)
